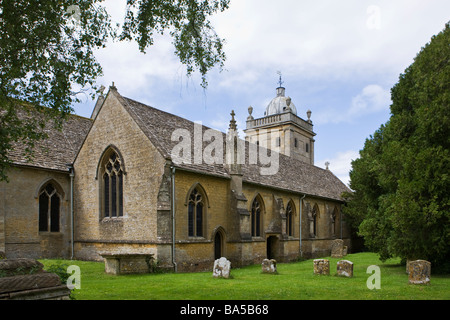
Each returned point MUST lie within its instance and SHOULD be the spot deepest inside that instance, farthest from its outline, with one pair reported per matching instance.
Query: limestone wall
(144, 168)
(19, 215)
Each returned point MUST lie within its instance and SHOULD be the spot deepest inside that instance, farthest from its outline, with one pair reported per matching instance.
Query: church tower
(281, 129)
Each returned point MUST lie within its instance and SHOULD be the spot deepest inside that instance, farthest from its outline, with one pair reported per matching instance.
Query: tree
(47, 54)
(401, 182)
(196, 43)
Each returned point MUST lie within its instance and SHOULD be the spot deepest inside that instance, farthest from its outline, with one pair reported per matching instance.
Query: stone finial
(233, 125)
(326, 165)
(308, 113)
(250, 111)
(101, 90)
(288, 101)
(113, 87)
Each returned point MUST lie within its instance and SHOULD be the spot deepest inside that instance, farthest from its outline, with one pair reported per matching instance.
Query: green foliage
(196, 43)
(401, 201)
(47, 58)
(294, 281)
(47, 55)
(59, 268)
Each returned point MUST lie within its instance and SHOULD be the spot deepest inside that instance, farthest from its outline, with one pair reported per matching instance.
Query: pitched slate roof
(62, 146)
(56, 151)
(293, 175)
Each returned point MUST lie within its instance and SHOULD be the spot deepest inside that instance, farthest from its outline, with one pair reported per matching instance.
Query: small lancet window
(289, 219)
(256, 218)
(315, 214)
(49, 209)
(195, 214)
(113, 187)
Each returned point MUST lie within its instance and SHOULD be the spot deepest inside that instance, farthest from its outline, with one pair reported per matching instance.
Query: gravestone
(419, 272)
(269, 266)
(337, 248)
(21, 266)
(322, 266)
(222, 268)
(25, 279)
(345, 268)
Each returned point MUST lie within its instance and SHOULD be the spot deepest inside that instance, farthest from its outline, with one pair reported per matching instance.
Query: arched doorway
(272, 251)
(218, 245)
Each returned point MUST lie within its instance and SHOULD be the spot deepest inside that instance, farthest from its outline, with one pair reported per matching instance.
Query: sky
(338, 59)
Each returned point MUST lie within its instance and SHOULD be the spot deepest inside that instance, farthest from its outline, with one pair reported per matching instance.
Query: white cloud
(340, 164)
(372, 99)
(327, 39)
(307, 40)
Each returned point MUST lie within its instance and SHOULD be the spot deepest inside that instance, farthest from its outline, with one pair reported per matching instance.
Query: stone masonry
(337, 247)
(321, 266)
(344, 268)
(419, 272)
(269, 266)
(155, 218)
(25, 279)
(222, 268)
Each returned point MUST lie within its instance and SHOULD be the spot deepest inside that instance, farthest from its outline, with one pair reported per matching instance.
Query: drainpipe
(300, 225)
(173, 220)
(72, 175)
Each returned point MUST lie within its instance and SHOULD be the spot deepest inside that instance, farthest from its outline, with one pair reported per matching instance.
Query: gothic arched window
(195, 214)
(315, 217)
(49, 209)
(256, 217)
(112, 181)
(334, 216)
(290, 219)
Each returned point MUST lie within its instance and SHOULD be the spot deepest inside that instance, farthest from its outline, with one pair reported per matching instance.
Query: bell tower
(281, 129)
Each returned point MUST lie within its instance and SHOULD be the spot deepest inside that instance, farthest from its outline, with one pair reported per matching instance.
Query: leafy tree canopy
(47, 54)
(401, 182)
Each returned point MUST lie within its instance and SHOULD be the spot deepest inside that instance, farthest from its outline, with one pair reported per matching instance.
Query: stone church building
(115, 184)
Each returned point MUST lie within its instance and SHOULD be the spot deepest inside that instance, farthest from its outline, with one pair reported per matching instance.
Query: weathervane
(280, 82)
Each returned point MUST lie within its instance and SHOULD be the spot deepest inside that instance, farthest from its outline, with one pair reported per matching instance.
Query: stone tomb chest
(128, 263)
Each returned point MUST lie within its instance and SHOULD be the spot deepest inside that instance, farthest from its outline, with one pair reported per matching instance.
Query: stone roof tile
(58, 149)
(293, 175)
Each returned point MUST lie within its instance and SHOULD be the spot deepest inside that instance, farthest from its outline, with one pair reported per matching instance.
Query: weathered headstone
(222, 268)
(337, 248)
(345, 251)
(419, 272)
(345, 268)
(269, 266)
(322, 266)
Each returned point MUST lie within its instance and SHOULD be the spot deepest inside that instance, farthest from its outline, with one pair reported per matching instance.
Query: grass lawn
(294, 281)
